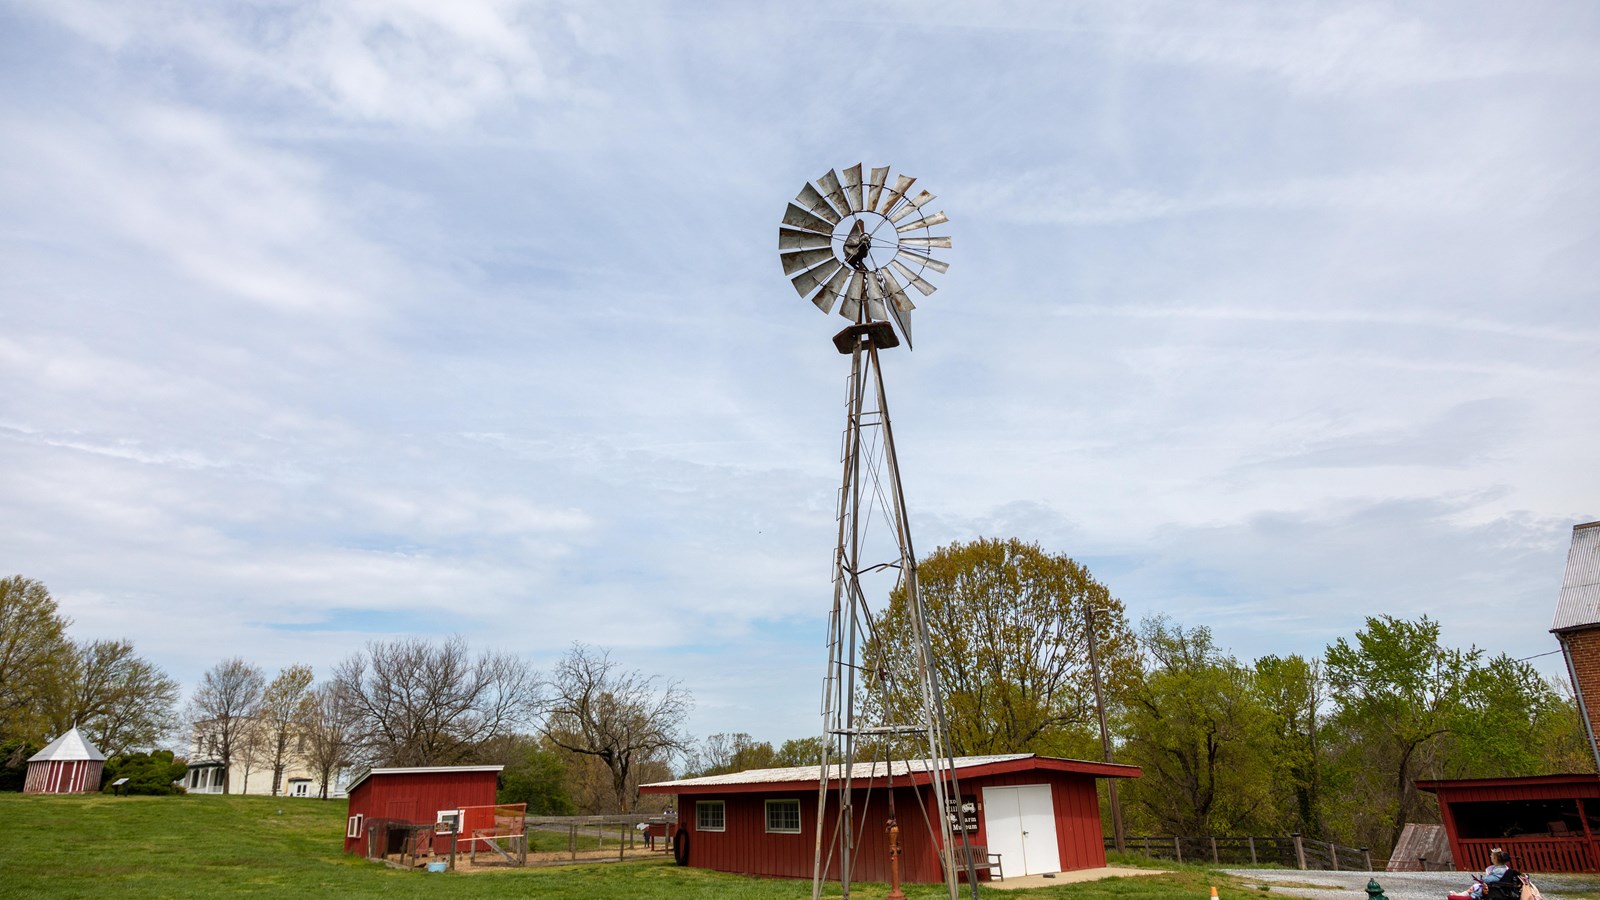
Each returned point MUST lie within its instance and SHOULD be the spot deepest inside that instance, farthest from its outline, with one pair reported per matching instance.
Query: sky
(326, 323)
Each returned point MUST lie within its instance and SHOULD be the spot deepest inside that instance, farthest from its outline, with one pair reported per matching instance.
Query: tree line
(1328, 745)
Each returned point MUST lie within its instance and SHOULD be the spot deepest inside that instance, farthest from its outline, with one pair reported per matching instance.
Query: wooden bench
(982, 861)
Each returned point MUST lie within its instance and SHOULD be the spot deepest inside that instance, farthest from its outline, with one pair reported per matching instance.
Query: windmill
(859, 244)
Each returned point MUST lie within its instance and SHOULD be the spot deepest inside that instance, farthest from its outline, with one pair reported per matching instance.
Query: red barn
(418, 796)
(1543, 821)
(1041, 814)
(68, 765)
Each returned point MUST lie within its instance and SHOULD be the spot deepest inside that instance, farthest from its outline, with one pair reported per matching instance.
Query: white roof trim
(863, 770)
(1578, 604)
(418, 770)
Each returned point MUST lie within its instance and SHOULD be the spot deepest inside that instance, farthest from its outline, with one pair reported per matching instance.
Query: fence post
(1299, 849)
(1333, 855)
(1177, 848)
(1252, 851)
(1147, 845)
(622, 841)
(1214, 860)
(572, 839)
(1366, 857)
(453, 827)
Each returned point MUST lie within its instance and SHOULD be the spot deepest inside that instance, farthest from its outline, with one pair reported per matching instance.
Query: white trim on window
(710, 815)
(441, 825)
(352, 828)
(783, 817)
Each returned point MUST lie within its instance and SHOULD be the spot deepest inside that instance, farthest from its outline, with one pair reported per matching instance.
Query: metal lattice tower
(849, 241)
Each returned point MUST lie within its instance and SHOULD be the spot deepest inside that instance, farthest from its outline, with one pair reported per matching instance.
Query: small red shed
(417, 796)
(1040, 813)
(67, 765)
(1548, 823)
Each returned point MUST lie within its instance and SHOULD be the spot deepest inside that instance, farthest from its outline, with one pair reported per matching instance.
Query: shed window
(783, 816)
(709, 815)
(352, 829)
(449, 820)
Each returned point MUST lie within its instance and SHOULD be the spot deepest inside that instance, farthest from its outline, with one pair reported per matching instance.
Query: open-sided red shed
(417, 796)
(1548, 823)
(1040, 813)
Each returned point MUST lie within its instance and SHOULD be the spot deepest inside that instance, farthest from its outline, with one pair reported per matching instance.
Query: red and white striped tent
(69, 765)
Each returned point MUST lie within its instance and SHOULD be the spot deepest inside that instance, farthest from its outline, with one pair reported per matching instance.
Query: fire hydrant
(1375, 890)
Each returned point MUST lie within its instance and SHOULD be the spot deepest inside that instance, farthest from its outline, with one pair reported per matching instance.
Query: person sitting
(1499, 881)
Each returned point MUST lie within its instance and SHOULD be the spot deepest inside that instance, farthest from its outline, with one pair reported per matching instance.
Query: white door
(1021, 826)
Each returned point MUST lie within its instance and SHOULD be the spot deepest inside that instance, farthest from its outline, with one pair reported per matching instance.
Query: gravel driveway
(1398, 885)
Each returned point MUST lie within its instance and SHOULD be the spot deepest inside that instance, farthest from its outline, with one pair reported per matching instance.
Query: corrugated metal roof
(862, 771)
(417, 770)
(1578, 605)
(72, 745)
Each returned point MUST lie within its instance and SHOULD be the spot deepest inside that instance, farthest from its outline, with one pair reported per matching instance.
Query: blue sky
(330, 322)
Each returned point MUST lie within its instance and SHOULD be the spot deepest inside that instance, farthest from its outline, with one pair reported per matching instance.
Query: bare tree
(280, 718)
(121, 701)
(415, 703)
(625, 719)
(325, 720)
(224, 708)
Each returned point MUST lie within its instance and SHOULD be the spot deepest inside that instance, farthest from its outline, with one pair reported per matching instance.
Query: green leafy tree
(1512, 721)
(34, 654)
(806, 751)
(1007, 622)
(726, 753)
(147, 773)
(1199, 730)
(1397, 692)
(536, 776)
(1291, 689)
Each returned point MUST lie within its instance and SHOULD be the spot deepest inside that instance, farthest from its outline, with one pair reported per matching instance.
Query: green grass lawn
(100, 847)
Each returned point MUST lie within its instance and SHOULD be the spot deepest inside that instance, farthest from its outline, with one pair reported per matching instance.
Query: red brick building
(1548, 823)
(1040, 813)
(1577, 625)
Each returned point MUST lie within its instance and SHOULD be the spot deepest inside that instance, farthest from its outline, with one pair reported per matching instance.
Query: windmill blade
(937, 218)
(897, 294)
(911, 206)
(809, 199)
(878, 176)
(831, 291)
(852, 187)
(800, 218)
(795, 239)
(829, 184)
(912, 277)
(902, 183)
(875, 298)
(812, 278)
(804, 259)
(925, 242)
(902, 321)
(937, 265)
(855, 296)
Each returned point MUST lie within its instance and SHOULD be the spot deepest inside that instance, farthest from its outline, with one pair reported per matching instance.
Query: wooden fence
(1290, 851)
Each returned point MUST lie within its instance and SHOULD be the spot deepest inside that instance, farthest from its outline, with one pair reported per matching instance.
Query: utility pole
(1105, 735)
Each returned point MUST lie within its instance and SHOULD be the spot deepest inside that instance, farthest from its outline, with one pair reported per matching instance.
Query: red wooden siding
(417, 797)
(63, 776)
(745, 846)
